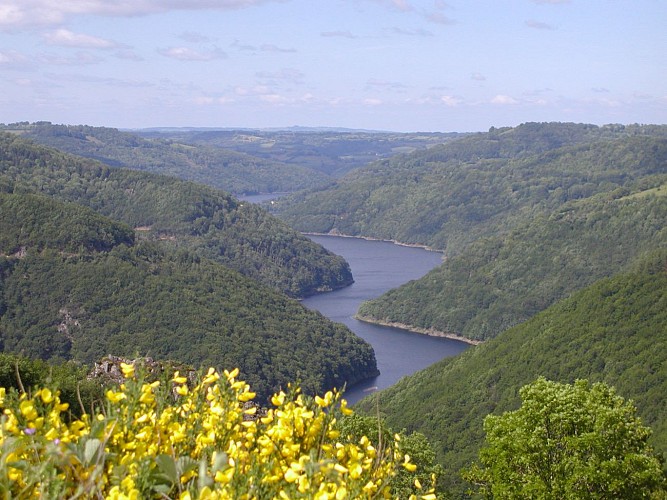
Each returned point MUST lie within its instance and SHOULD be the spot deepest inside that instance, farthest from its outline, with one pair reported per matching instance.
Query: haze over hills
(226, 169)
(76, 285)
(240, 161)
(328, 151)
(209, 222)
(521, 213)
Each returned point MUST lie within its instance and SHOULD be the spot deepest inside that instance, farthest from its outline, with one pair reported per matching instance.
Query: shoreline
(424, 331)
(370, 238)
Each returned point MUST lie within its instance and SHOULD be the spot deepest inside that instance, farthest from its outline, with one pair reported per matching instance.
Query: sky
(395, 65)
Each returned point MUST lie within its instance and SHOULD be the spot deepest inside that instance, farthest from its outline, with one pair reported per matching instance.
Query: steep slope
(613, 331)
(178, 213)
(218, 167)
(96, 292)
(481, 185)
(525, 216)
(504, 280)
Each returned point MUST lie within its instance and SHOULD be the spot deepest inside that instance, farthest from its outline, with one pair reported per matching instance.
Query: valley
(551, 262)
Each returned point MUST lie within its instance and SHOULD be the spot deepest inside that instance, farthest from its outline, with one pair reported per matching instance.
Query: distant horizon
(389, 65)
(306, 129)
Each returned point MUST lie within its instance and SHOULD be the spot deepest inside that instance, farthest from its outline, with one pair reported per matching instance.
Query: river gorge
(378, 266)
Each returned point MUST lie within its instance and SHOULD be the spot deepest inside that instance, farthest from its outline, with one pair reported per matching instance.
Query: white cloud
(209, 101)
(15, 13)
(503, 99)
(186, 54)
(439, 18)
(67, 38)
(449, 100)
(538, 25)
(192, 37)
(12, 57)
(372, 102)
(128, 54)
(411, 32)
(402, 5)
(257, 90)
(269, 47)
(110, 81)
(342, 34)
(477, 76)
(274, 99)
(23, 82)
(81, 58)
(286, 74)
(387, 85)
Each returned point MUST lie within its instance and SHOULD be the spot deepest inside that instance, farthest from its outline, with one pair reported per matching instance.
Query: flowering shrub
(170, 440)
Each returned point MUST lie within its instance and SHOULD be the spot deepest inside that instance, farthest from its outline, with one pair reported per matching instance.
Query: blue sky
(403, 65)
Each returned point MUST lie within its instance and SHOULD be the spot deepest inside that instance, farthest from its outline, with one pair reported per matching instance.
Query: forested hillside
(181, 214)
(503, 280)
(222, 168)
(74, 285)
(525, 216)
(613, 331)
(481, 185)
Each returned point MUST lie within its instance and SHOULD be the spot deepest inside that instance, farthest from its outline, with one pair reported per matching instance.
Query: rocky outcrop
(108, 369)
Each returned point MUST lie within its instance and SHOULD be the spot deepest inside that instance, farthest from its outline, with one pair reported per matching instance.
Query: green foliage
(415, 445)
(22, 373)
(38, 222)
(481, 185)
(184, 215)
(166, 305)
(614, 331)
(567, 441)
(524, 216)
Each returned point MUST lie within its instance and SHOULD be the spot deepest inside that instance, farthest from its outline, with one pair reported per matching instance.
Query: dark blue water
(378, 266)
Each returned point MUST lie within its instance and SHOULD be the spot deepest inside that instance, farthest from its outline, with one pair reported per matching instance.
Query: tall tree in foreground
(567, 441)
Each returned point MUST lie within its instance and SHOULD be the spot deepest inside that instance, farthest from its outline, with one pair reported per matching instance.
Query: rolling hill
(221, 168)
(75, 285)
(180, 214)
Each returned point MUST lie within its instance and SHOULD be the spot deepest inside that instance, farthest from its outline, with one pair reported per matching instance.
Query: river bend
(378, 266)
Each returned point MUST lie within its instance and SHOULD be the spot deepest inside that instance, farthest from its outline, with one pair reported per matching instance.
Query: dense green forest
(222, 168)
(37, 222)
(92, 291)
(481, 185)
(181, 214)
(613, 331)
(501, 281)
(524, 215)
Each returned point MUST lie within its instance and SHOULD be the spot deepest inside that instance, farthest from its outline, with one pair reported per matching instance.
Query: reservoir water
(378, 266)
